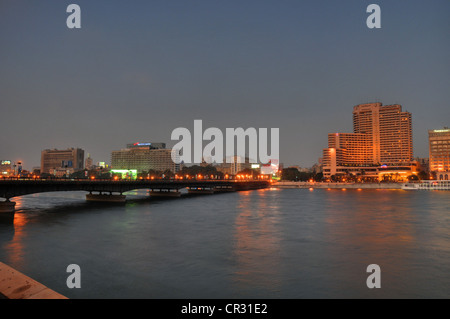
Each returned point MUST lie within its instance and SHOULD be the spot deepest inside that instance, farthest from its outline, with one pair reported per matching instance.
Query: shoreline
(16, 285)
(338, 185)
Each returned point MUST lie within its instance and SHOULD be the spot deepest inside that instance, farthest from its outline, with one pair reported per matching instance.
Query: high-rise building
(144, 157)
(439, 141)
(381, 140)
(352, 148)
(389, 129)
(60, 162)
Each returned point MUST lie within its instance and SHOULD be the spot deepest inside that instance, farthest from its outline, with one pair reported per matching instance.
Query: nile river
(273, 243)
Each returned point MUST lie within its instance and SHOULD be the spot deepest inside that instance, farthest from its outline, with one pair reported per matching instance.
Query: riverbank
(15, 285)
(338, 185)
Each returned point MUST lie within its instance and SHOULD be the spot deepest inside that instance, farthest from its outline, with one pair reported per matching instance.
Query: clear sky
(137, 70)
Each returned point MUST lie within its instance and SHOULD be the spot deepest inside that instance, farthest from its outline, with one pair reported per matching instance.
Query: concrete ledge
(15, 285)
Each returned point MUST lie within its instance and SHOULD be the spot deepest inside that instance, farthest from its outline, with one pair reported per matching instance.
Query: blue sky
(137, 70)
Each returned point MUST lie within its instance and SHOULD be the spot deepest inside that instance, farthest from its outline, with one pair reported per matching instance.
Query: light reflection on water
(289, 243)
(256, 230)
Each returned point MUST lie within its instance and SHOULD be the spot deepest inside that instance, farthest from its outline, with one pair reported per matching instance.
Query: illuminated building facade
(439, 142)
(350, 148)
(61, 162)
(381, 144)
(389, 129)
(147, 145)
(5, 168)
(144, 157)
(125, 173)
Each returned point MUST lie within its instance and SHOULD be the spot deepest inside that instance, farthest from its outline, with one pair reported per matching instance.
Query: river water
(272, 243)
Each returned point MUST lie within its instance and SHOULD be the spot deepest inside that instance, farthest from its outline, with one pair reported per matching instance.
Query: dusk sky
(136, 70)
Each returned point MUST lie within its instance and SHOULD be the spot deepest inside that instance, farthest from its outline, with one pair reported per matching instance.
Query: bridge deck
(14, 188)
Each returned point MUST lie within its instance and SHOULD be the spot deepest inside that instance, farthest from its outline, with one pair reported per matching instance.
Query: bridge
(112, 190)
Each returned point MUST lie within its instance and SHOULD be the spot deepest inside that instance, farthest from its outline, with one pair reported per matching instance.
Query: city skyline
(98, 160)
(137, 72)
(163, 145)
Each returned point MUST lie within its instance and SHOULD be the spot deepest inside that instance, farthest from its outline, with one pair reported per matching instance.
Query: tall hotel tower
(381, 138)
(389, 131)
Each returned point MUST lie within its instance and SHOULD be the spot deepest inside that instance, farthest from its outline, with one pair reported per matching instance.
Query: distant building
(238, 164)
(62, 162)
(442, 176)
(349, 148)
(439, 145)
(381, 144)
(5, 168)
(224, 168)
(273, 167)
(144, 157)
(439, 141)
(316, 168)
(101, 165)
(389, 132)
(147, 145)
(89, 163)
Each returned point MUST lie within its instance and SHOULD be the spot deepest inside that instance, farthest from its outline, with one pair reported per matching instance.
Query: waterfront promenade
(338, 185)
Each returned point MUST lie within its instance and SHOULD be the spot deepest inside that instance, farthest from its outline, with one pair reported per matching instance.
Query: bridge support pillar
(200, 191)
(106, 198)
(7, 206)
(165, 193)
(223, 189)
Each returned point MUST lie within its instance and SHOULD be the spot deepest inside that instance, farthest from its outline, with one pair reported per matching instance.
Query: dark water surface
(274, 243)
